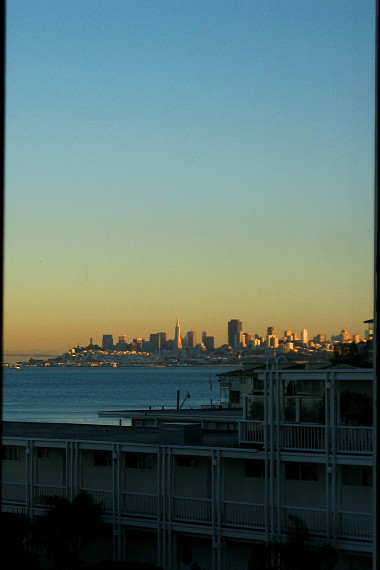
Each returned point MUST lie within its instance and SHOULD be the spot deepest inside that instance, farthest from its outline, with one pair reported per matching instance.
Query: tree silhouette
(67, 528)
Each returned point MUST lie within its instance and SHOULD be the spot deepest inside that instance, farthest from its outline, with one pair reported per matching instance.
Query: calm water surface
(77, 394)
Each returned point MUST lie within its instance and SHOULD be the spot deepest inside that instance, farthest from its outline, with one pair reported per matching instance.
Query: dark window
(234, 397)
(301, 471)
(42, 452)
(186, 461)
(308, 472)
(292, 471)
(138, 461)
(10, 453)
(255, 408)
(254, 468)
(102, 458)
(356, 475)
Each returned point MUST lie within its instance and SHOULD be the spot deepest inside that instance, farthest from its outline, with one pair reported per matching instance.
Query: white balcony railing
(41, 491)
(315, 519)
(102, 497)
(192, 510)
(354, 439)
(251, 432)
(14, 493)
(303, 437)
(138, 504)
(355, 525)
(350, 525)
(246, 515)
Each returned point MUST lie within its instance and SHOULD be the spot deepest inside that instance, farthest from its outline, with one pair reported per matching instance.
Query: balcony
(354, 439)
(141, 505)
(310, 438)
(41, 491)
(356, 526)
(243, 515)
(103, 497)
(192, 510)
(304, 437)
(315, 519)
(14, 493)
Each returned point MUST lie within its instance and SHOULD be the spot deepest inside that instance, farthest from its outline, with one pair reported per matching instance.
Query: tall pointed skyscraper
(177, 337)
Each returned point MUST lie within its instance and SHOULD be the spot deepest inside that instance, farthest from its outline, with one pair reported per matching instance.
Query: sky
(202, 159)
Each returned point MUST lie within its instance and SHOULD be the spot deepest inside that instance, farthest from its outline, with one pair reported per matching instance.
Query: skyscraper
(191, 339)
(177, 345)
(234, 326)
(107, 342)
(304, 336)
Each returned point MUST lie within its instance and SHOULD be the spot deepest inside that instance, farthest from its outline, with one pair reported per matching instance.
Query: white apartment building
(209, 486)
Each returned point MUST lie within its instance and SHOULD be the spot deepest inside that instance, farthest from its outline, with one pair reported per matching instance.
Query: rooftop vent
(180, 433)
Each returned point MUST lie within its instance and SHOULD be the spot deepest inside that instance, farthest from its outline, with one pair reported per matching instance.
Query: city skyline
(110, 341)
(208, 160)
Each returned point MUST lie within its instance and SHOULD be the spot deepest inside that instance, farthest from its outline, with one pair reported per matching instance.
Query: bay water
(76, 394)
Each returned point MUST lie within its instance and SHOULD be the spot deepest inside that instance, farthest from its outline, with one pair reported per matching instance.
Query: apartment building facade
(182, 493)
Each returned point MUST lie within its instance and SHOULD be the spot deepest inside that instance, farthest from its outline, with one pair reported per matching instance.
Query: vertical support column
(277, 479)
(159, 508)
(218, 504)
(279, 418)
(266, 461)
(333, 475)
(75, 468)
(116, 503)
(169, 468)
(164, 508)
(214, 540)
(271, 453)
(328, 470)
(69, 471)
(79, 468)
(29, 478)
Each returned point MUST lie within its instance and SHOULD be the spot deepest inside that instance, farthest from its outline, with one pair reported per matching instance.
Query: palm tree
(67, 527)
(15, 529)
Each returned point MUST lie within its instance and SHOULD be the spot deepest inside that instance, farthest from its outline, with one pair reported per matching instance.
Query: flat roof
(218, 414)
(103, 433)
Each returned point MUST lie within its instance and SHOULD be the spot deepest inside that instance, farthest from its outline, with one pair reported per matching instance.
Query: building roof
(103, 433)
(216, 414)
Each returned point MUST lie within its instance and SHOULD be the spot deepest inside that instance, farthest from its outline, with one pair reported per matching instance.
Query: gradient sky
(207, 159)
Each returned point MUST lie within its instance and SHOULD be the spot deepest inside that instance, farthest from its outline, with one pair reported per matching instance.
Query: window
(186, 461)
(42, 452)
(312, 410)
(310, 387)
(255, 408)
(234, 397)
(291, 409)
(138, 461)
(356, 475)
(254, 468)
(10, 453)
(301, 471)
(102, 458)
(306, 410)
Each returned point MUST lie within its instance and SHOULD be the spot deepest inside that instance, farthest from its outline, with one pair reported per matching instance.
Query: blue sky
(207, 159)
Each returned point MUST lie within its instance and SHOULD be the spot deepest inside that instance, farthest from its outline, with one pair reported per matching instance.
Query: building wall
(240, 487)
(13, 469)
(193, 480)
(51, 466)
(310, 494)
(95, 476)
(143, 477)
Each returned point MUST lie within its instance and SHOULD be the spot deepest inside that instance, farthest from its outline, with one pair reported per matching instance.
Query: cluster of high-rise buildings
(159, 342)
(237, 339)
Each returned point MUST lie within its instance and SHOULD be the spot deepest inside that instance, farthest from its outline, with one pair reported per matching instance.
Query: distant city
(188, 349)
